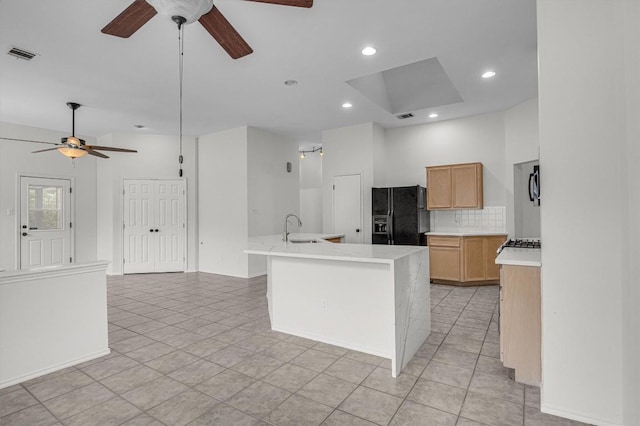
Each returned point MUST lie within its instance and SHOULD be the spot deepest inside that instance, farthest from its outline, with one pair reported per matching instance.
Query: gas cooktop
(521, 243)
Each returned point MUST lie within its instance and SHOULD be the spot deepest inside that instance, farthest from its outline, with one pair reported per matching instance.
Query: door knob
(358, 230)
(155, 230)
(150, 230)
(24, 234)
(24, 226)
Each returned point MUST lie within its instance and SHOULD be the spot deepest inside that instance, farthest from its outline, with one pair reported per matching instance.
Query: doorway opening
(347, 207)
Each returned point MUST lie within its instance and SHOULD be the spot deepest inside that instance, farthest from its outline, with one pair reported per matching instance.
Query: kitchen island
(369, 298)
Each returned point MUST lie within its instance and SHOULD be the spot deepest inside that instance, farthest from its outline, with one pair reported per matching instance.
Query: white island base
(372, 299)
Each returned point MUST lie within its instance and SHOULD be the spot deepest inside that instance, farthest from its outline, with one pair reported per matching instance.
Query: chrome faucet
(285, 233)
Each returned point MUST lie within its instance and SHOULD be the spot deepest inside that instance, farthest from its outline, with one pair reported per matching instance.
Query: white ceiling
(123, 82)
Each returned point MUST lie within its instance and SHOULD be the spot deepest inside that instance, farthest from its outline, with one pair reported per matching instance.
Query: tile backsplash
(488, 219)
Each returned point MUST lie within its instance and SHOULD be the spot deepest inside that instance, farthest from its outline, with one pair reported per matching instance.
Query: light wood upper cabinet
(457, 186)
(439, 188)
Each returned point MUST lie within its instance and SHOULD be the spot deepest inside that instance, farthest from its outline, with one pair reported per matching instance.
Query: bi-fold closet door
(154, 225)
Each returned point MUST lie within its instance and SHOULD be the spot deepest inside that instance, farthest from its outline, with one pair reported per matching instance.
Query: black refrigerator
(399, 216)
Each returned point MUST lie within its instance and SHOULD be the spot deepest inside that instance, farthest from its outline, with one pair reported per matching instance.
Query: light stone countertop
(272, 245)
(519, 257)
(463, 233)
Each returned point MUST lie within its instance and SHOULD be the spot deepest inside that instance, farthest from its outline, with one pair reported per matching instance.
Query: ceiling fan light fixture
(72, 140)
(190, 10)
(72, 152)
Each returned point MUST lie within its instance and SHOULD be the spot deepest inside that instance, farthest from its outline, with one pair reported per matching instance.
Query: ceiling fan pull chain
(180, 77)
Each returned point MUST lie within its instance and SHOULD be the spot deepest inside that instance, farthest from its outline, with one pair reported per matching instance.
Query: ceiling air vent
(404, 116)
(21, 54)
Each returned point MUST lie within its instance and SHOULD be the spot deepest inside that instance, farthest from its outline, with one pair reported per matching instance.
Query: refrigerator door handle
(531, 184)
(390, 227)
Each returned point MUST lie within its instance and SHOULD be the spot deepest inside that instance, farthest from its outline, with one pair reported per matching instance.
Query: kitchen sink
(304, 241)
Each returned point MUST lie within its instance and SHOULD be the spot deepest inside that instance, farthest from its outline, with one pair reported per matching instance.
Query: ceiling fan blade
(224, 33)
(108, 148)
(130, 20)
(43, 150)
(29, 140)
(298, 3)
(96, 153)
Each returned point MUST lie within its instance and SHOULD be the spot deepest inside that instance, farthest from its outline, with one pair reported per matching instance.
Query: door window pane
(45, 207)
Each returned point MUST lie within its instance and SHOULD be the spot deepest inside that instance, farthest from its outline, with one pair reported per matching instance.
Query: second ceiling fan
(141, 11)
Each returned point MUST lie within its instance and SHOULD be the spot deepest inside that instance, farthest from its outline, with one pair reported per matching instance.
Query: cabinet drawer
(444, 241)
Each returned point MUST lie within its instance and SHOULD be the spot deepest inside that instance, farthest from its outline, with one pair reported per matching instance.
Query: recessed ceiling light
(433, 115)
(369, 50)
(290, 82)
(489, 74)
(139, 126)
(346, 105)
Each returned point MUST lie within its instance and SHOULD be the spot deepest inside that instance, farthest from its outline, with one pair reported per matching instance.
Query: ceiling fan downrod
(74, 106)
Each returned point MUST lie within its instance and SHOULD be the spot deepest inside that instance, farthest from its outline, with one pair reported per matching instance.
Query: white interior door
(154, 226)
(139, 235)
(45, 222)
(347, 208)
(169, 226)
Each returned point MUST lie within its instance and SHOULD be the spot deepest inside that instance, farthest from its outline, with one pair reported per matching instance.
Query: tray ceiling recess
(409, 88)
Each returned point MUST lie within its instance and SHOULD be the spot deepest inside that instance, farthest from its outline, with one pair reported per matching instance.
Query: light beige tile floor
(198, 349)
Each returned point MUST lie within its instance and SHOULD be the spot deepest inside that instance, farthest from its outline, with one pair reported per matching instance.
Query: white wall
(311, 192)
(379, 157)
(347, 151)
(588, 156)
(631, 289)
(272, 192)
(244, 190)
(521, 145)
(16, 158)
(472, 139)
(223, 204)
(157, 157)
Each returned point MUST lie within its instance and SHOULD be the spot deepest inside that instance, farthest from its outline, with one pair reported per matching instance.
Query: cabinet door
(444, 263)
(439, 188)
(520, 322)
(466, 181)
(492, 270)
(474, 258)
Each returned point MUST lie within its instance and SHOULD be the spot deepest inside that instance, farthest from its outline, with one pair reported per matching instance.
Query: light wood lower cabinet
(464, 260)
(520, 322)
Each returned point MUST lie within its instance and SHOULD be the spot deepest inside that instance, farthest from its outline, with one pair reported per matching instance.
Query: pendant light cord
(180, 76)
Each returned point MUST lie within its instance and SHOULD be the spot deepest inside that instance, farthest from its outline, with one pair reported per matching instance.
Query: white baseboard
(581, 417)
(54, 368)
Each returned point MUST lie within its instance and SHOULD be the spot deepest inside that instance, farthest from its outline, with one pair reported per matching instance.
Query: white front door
(154, 226)
(347, 208)
(45, 222)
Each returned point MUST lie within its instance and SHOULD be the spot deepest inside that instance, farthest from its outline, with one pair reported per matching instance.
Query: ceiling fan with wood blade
(74, 147)
(141, 11)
